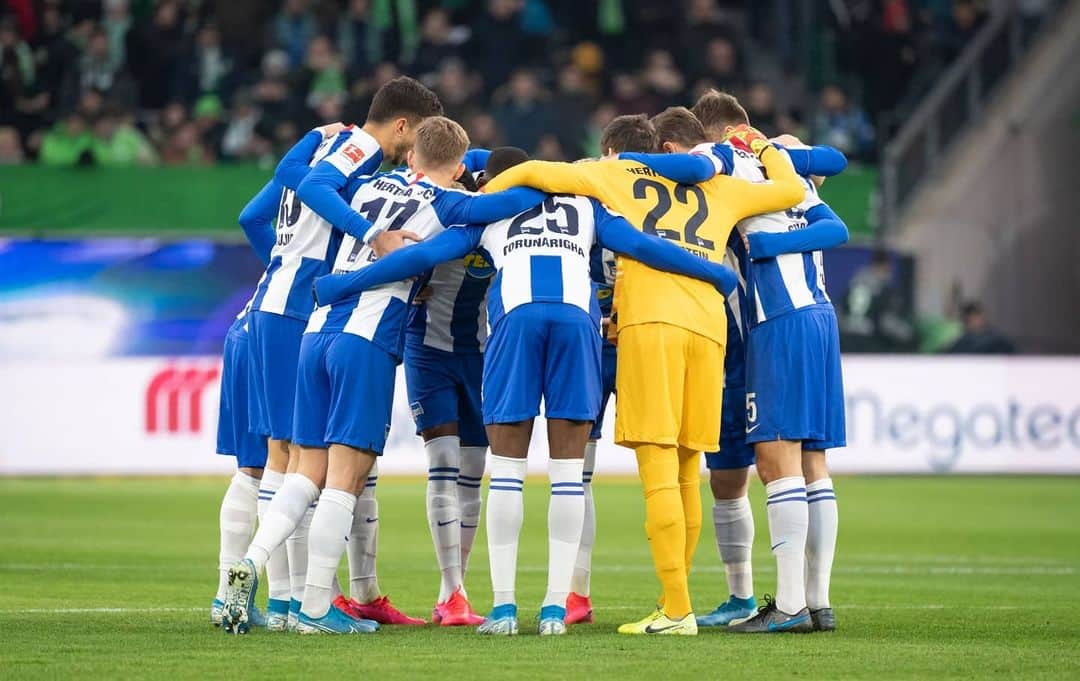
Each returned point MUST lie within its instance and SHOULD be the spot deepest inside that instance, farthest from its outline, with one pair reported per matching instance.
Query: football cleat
(771, 620)
(501, 622)
(456, 612)
(236, 615)
(659, 624)
(823, 619)
(294, 615)
(729, 611)
(552, 621)
(277, 615)
(335, 621)
(578, 609)
(380, 610)
(215, 611)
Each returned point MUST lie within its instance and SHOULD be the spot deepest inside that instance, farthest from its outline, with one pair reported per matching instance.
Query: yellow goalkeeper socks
(690, 490)
(665, 524)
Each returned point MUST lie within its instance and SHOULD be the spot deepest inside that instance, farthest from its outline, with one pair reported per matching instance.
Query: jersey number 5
(682, 194)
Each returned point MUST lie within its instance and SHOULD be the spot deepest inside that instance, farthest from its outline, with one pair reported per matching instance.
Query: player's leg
(513, 386)
(285, 509)
(566, 516)
(820, 539)
(733, 520)
(505, 514)
(821, 497)
(239, 506)
(348, 468)
(474, 445)
(361, 380)
(431, 380)
(366, 600)
(733, 523)
(779, 377)
(579, 604)
(277, 340)
(573, 384)
(650, 381)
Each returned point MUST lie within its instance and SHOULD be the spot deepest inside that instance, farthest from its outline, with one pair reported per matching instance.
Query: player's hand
(331, 129)
(423, 295)
(788, 141)
(391, 240)
(747, 138)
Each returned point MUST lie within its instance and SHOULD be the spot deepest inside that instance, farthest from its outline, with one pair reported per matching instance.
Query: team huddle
(682, 272)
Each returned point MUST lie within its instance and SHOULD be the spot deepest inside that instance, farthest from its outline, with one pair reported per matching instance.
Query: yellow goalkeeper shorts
(670, 387)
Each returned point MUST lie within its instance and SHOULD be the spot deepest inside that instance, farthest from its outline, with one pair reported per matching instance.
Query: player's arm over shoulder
(549, 176)
(783, 190)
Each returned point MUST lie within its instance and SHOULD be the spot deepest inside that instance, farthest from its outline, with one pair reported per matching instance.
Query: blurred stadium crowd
(146, 82)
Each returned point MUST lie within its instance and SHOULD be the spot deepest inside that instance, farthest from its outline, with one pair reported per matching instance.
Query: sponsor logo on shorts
(417, 410)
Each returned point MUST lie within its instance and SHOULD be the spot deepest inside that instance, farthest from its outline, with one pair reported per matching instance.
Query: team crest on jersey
(353, 152)
(478, 266)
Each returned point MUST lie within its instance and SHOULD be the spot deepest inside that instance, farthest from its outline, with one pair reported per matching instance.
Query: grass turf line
(935, 577)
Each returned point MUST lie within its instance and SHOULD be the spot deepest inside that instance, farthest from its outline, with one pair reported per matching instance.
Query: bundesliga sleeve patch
(347, 159)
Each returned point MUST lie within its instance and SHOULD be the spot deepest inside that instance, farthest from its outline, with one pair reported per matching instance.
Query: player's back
(390, 201)
(789, 281)
(542, 256)
(306, 243)
(454, 317)
(693, 216)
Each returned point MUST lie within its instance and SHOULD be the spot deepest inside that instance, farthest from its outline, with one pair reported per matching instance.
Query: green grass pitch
(935, 578)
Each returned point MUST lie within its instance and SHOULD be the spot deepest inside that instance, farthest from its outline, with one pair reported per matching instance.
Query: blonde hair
(440, 142)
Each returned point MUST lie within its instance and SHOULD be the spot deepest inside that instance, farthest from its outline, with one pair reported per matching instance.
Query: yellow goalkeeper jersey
(697, 217)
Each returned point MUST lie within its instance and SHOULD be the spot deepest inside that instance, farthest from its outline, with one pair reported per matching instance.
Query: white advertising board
(906, 414)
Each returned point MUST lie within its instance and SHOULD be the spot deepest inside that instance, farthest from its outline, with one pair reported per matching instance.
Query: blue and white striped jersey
(399, 199)
(307, 243)
(543, 255)
(787, 282)
(735, 308)
(454, 318)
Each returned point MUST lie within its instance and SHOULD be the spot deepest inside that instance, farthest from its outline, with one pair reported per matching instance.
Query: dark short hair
(503, 159)
(404, 97)
(628, 133)
(676, 124)
(716, 110)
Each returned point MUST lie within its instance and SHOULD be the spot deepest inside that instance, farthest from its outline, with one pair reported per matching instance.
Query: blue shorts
(444, 387)
(794, 387)
(344, 392)
(233, 435)
(549, 350)
(608, 354)
(734, 450)
(275, 353)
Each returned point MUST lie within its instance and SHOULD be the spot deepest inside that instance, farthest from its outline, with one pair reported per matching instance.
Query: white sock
(277, 562)
(296, 546)
(820, 542)
(279, 518)
(505, 512)
(579, 584)
(566, 516)
(788, 520)
(443, 510)
(363, 544)
(326, 544)
(734, 524)
(239, 511)
(469, 499)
